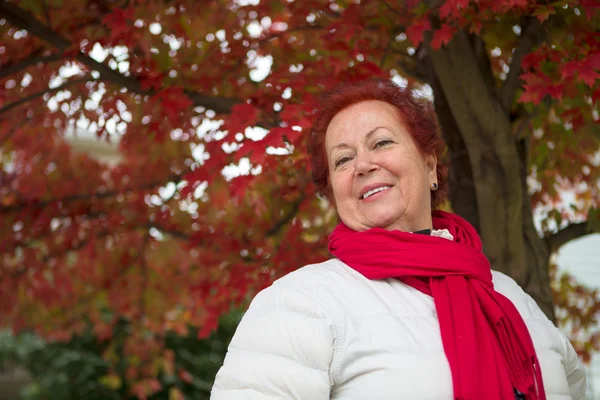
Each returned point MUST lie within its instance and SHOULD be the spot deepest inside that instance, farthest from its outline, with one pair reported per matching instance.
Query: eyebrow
(343, 145)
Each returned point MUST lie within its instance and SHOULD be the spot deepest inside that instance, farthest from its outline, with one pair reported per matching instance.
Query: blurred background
(153, 175)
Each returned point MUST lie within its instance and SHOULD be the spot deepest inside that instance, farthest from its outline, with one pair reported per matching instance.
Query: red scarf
(485, 339)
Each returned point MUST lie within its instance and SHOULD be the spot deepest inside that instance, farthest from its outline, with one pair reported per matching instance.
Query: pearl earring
(434, 186)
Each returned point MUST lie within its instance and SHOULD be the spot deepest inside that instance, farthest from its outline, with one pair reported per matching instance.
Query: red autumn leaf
(442, 36)
(173, 102)
(295, 114)
(242, 116)
(209, 325)
(254, 149)
(533, 59)
(416, 30)
(517, 4)
(596, 96)
(543, 12)
(118, 21)
(238, 185)
(372, 69)
(588, 76)
(590, 7)
(453, 8)
(584, 69)
(570, 69)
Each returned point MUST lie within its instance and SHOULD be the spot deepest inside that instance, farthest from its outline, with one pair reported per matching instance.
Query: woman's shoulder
(508, 287)
(331, 272)
(329, 288)
(324, 282)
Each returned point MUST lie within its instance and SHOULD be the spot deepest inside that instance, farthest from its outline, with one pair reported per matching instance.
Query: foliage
(171, 236)
(578, 312)
(77, 369)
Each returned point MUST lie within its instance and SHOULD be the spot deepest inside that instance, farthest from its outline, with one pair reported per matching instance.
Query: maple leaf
(210, 324)
(588, 76)
(570, 69)
(516, 4)
(416, 30)
(596, 96)
(533, 59)
(242, 116)
(543, 12)
(584, 69)
(590, 7)
(453, 8)
(442, 36)
(538, 85)
(173, 102)
(118, 22)
(238, 185)
(296, 114)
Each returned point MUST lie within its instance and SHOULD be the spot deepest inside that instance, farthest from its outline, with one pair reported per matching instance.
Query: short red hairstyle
(416, 114)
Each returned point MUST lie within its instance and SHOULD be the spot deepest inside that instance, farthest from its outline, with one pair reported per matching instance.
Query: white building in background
(84, 141)
(100, 150)
(581, 258)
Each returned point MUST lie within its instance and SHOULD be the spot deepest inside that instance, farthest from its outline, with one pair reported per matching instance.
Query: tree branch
(529, 39)
(570, 232)
(287, 217)
(38, 203)
(34, 96)
(392, 9)
(24, 20)
(33, 59)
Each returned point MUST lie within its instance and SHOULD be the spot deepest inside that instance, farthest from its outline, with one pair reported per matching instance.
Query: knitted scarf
(486, 342)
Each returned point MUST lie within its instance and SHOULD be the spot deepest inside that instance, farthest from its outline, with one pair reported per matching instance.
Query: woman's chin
(385, 222)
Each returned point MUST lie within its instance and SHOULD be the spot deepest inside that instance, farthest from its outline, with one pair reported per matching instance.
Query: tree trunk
(493, 194)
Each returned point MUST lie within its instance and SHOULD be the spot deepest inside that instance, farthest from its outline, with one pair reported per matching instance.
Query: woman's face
(378, 176)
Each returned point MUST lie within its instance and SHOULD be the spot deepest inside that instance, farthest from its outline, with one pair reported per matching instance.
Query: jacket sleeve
(548, 334)
(575, 373)
(282, 349)
(573, 366)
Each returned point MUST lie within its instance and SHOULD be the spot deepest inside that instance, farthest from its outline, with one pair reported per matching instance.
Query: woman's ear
(431, 162)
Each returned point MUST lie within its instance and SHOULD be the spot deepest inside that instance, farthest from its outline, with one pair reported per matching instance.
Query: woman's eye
(342, 161)
(383, 142)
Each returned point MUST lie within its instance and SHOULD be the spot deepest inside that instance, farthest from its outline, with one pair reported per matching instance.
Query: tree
(172, 236)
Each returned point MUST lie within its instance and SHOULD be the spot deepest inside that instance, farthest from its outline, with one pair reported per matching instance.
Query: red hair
(416, 114)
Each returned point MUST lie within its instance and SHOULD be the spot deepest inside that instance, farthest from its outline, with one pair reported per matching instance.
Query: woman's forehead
(360, 121)
(364, 112)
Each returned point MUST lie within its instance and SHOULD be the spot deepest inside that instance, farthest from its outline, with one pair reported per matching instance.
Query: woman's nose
(364, 164)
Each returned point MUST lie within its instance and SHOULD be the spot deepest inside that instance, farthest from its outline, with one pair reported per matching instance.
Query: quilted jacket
(326, 332)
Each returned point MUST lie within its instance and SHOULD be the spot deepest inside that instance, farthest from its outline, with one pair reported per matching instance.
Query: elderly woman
(408, 308)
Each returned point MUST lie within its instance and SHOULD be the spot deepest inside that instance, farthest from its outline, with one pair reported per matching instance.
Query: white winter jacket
(327, 332)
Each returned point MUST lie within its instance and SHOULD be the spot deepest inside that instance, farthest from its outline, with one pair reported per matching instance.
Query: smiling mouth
(372, 192)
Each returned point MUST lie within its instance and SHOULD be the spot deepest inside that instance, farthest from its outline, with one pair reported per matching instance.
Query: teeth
(372, 192)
